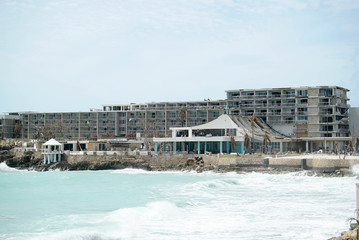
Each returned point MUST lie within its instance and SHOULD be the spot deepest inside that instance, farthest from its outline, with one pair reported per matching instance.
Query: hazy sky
(78, 54)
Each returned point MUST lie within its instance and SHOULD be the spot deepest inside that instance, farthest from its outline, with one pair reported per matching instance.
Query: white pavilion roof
(52, 142)
(222, 122)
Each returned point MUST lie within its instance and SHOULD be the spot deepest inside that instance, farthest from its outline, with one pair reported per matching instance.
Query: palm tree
(253, 118)
(233, 141)
(246, 143)
(266, 140)
(350, 147)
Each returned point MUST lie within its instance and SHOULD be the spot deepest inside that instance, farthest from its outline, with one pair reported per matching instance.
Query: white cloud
(139, 51)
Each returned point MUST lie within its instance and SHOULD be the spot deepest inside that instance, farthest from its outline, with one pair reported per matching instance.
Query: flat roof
(283, 88)
(149, 103)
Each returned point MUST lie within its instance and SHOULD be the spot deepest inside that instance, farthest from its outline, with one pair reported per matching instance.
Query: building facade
(295, 112)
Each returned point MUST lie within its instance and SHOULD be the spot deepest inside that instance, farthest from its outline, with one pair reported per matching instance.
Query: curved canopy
(222, 122)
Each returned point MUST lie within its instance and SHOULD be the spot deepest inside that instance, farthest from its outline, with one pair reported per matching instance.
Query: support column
(199, 147)
(156, 146)
(189, 132)
(55, 157)
(242, 146)
(44, 158)
(174, 147)
(227, 147)
(182, 146)
(281, 147)
(307, 146)
(221, 147)
(325, 146)
(205, 147)
(163, 147)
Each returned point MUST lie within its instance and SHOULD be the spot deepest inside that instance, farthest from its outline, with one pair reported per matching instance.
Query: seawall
(320, 163)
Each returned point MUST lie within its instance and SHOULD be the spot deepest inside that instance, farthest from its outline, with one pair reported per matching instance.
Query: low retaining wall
(138, 160)
(166, 161)
(299, 163)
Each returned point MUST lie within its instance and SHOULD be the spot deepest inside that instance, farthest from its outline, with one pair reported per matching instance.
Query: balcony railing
(288, 113)
(274, 113)
(287, 95)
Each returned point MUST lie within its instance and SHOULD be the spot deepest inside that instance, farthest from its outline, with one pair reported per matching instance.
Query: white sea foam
(6, 168)
(134, 171)
(355, 169)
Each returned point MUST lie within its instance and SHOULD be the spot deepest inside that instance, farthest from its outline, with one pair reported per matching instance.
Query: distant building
(298, 113)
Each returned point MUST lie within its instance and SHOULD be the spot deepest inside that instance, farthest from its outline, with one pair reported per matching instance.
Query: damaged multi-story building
(297, 112)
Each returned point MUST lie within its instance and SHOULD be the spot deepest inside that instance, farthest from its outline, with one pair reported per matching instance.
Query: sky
(74, 55)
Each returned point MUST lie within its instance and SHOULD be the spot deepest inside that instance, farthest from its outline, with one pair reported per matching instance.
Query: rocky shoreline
(32, 160)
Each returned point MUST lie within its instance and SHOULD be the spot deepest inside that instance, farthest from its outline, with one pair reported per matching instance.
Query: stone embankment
(318, 163)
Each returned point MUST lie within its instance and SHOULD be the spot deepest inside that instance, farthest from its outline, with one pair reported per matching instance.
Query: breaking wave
(6, 168)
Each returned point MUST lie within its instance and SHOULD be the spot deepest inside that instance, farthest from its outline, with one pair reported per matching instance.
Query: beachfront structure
(52, 151)
(10, 126)
(299, 113)
(226, 134)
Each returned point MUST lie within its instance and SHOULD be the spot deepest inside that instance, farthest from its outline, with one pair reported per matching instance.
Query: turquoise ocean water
(135, 204)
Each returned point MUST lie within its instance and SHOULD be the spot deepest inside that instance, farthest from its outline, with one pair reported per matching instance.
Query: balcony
(325, 113)
(288, 113)
(274, 114)
(273, 105)
(288, 104)
(302, 113)
(288, 95)
(246, 105)
(247, 96)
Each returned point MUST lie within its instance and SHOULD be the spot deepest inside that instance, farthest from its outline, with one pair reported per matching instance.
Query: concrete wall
(320, 164)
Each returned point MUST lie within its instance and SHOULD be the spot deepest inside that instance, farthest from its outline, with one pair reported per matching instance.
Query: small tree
(17, 130)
